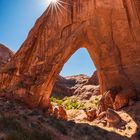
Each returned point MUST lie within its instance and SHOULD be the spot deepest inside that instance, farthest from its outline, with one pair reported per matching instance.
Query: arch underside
(110, 34)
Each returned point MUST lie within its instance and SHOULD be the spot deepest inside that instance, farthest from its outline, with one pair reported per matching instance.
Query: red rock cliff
(5, 55)
(108, 29)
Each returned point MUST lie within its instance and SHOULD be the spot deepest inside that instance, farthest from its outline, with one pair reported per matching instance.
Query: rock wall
(108, 29)
(93, 80)
(78, 85)
(63, 87)
(5, 55)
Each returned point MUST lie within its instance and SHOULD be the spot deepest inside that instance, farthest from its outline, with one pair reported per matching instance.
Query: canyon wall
(5, 55)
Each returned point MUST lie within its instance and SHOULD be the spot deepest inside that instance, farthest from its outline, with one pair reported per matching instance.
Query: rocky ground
(129, 126)
(17, 121)
(76, 94)
(129, 115)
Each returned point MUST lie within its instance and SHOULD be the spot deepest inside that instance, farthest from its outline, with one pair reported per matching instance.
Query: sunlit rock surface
(108, 29)
(5, 55)
(79, 85)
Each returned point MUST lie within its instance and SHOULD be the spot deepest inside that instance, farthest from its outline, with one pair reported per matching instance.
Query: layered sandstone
(5, 55)
(108, 29)
(63, 87)
(93, 80)
(80, 85)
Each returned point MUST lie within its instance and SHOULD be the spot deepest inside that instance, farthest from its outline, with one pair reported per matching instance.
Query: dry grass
(14, 131)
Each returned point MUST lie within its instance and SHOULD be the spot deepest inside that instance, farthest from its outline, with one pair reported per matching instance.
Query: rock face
(108, 29)
(63, 87)
(5, 55)
(76, 85)
(94, 79)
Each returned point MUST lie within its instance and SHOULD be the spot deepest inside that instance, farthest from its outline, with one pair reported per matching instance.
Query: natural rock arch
(108, 29)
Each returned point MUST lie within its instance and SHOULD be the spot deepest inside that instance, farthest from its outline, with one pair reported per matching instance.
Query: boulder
(124, 98)
(91, 114)
(62, 113)
(113, 118)
(57, 112)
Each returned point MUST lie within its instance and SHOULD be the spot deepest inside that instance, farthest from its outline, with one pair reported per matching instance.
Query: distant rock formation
(93, 80)
(5, 55)
(63, 87)
(76, 85)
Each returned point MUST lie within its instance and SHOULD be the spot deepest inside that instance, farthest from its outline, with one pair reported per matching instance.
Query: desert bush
(73, 103)
(56, 101)
(53, 99)
(67, 103)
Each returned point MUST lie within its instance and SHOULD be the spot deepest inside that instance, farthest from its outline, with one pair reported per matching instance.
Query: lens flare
(57, 5)
(52, 1)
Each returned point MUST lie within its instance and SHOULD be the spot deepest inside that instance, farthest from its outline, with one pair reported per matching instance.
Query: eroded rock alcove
(108, 29)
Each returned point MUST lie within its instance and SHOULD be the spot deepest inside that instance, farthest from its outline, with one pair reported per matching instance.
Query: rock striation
(108, 29)
(63, 87)
(80, 85)
(5, 55)
(93, 80)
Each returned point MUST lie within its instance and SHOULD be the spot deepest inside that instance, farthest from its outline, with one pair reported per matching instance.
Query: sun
(53, 1)
(56, 5)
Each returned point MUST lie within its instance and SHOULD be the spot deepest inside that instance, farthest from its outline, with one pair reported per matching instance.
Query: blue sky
(17, 17)
(79, 63)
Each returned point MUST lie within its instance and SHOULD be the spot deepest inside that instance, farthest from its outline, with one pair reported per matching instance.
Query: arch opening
(79, 63)
(77, 85)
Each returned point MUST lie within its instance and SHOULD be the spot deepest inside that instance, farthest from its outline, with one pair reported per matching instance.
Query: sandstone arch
(108, 29)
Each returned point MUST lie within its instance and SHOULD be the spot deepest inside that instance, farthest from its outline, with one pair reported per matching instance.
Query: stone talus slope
(108, 29)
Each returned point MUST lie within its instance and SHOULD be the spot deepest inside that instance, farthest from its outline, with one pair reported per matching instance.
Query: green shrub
(72, 103)
(65, 98)
(67, 103)
(56, 101)
(53, 99)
